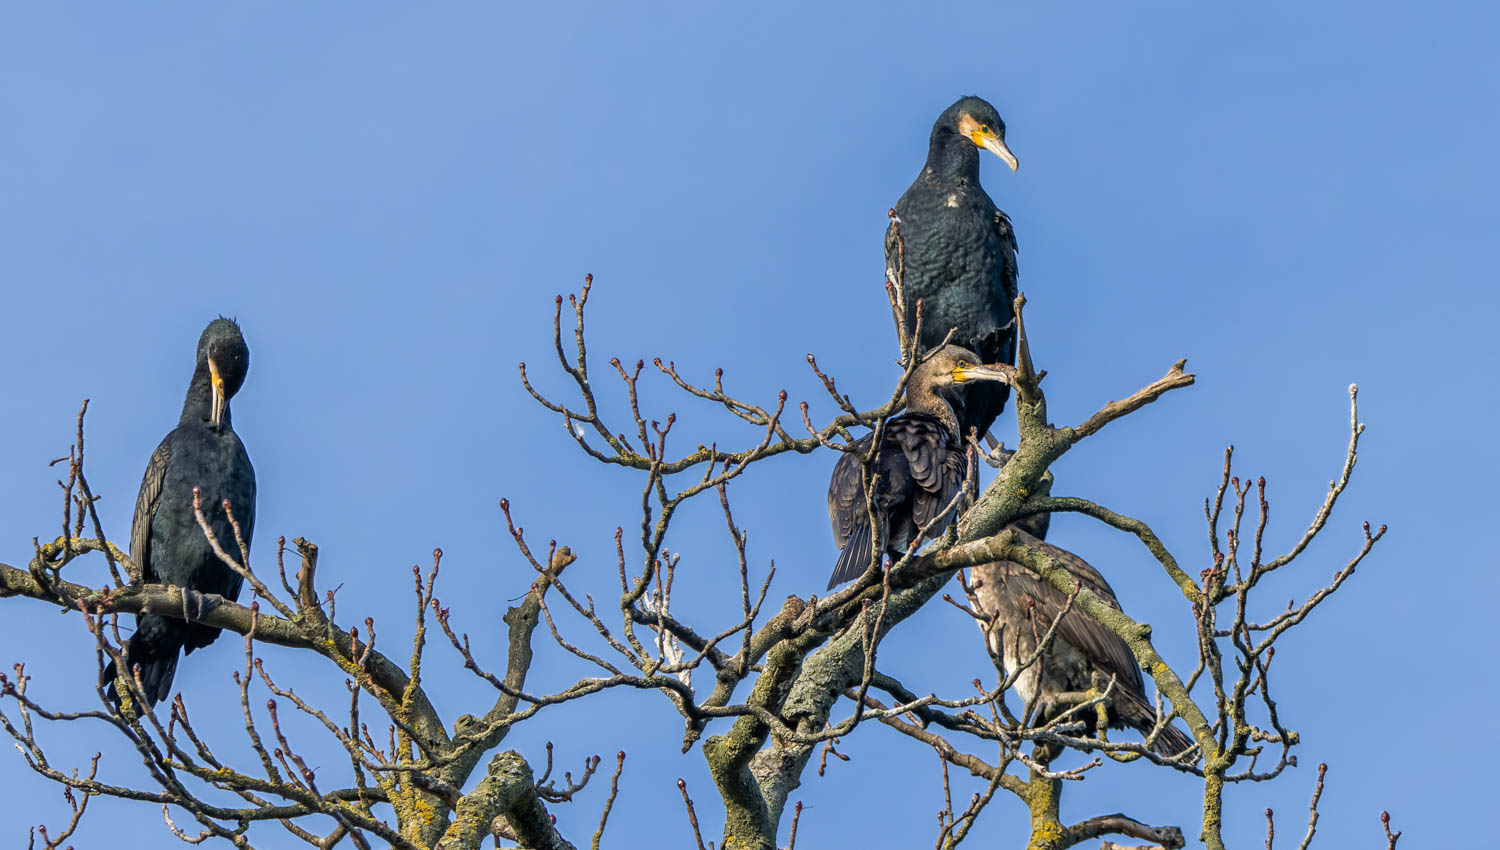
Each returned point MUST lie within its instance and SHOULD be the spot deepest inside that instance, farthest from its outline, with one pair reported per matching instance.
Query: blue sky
(1294, 196)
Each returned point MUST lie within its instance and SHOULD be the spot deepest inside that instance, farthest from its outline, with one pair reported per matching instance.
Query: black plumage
(959, 254)
(919, 469)
(1083, 654)
(166, 541)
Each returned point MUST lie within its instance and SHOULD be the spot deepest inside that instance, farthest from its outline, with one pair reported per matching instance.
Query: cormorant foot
(195, 605)
(998, 455)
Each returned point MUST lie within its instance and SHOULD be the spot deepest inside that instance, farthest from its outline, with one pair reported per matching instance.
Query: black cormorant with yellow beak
(166, 541)
(959, 254)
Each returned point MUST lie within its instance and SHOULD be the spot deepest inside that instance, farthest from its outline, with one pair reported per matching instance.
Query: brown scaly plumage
(1082, 654)
(919, 470)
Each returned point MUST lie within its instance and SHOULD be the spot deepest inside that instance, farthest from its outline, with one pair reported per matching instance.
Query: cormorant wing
(245, 513)
(1101, 646)
(1007, 236)
(1009, 276)
(145, 508)
(927, 506)
(924, 443)
(846, 493)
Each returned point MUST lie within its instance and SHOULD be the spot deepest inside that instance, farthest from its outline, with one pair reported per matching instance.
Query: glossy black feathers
(166, 540)
(959, 259)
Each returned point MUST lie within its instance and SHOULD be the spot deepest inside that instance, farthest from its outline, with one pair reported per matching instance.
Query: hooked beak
(996, 145)
(216, 411)
(1000, 372)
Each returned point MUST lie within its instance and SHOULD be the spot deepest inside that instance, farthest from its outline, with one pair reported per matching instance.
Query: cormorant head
(952, 366)
(976, 120)
(222, 351)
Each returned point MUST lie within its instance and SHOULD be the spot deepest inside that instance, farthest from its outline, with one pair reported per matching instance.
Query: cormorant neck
(951, 156)
(922, 398)
(197, 408)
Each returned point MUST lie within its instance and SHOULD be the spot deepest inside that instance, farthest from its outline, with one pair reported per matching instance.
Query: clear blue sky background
(1295, 196)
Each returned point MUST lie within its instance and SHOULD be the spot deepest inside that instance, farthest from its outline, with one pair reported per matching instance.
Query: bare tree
(770, 689)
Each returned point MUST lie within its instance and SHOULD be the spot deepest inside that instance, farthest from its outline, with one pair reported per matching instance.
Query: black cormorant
(959, 253)
(920, 468)
(165, 540)
(1083, 654)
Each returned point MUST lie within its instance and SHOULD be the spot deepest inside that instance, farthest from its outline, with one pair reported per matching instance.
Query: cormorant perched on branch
(920, 468)
(958, 252)
(166, 541)
(1083, 654)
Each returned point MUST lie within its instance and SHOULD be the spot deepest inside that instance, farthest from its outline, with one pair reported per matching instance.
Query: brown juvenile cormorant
(165, 540)
(920, 468)
(1083, 654)
(960, 252)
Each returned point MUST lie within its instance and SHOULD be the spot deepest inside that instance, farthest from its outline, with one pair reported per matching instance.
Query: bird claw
(998, 455)
(195, 605)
